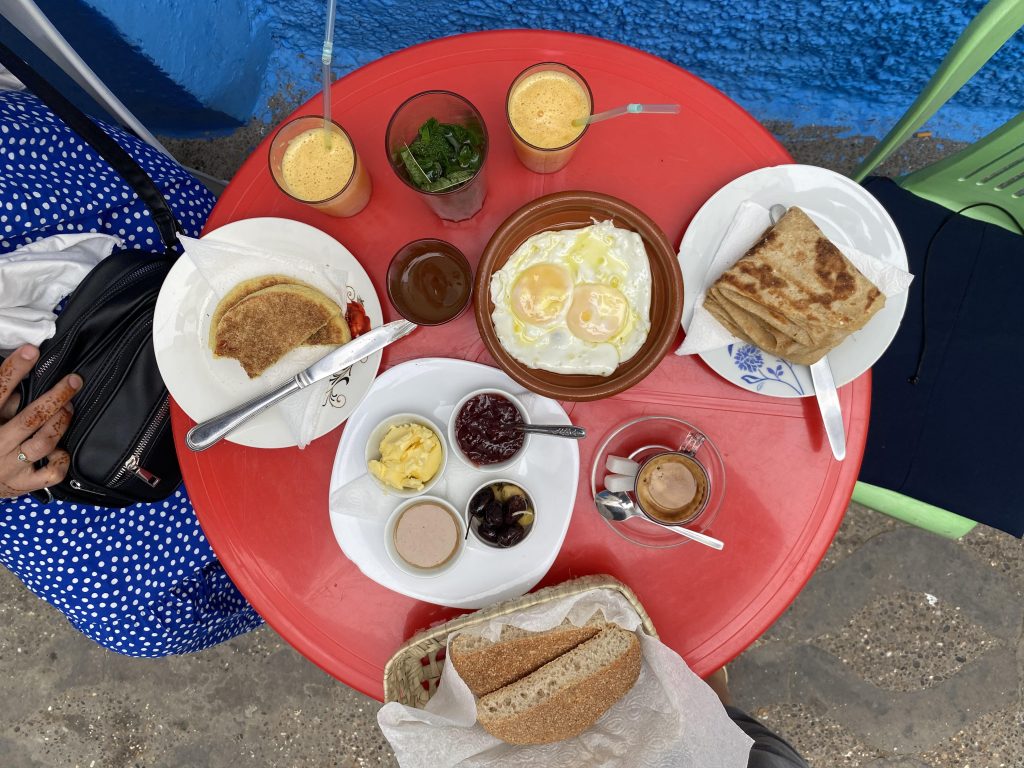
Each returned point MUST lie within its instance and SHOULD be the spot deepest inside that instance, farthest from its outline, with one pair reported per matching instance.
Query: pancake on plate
(794, 294)
(267, 324)
(334, 333)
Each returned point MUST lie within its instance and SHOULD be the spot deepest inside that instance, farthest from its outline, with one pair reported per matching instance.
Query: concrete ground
(905, 650)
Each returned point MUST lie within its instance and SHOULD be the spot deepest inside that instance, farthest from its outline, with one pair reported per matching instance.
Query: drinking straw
(629, 109)
(325, 58)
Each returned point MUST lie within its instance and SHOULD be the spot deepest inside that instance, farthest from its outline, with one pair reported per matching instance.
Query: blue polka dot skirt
(142, 581)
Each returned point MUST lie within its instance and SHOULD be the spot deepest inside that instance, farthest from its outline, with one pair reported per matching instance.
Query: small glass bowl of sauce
(430, 282)
(482, 430)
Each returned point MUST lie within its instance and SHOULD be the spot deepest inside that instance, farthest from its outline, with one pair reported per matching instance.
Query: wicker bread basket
(412, 674)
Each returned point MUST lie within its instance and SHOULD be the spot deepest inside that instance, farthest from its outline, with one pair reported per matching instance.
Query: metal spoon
(554, 430)
(618, 507)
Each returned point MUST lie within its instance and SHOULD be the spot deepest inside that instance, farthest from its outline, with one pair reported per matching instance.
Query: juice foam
(543, 106)
(317, 164)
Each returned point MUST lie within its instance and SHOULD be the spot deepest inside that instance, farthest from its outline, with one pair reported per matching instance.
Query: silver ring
(23, 457)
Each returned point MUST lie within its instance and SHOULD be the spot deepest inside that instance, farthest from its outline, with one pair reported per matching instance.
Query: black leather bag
(120, 442)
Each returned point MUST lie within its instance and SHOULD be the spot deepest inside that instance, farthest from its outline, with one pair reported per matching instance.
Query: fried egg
(574, 301)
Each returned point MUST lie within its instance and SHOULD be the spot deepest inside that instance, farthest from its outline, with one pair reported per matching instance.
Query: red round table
(265, 511)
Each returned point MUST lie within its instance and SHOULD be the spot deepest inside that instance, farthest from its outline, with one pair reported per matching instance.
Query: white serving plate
(848, 215)
(181, 322)
(548, 469)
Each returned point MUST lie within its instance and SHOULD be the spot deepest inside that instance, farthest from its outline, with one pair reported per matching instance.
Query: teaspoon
(618, 507)
(554, 430)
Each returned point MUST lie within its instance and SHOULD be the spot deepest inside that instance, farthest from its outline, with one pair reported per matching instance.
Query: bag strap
(99, 140)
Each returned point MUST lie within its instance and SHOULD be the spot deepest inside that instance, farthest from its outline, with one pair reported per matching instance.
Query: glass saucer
(638, 439)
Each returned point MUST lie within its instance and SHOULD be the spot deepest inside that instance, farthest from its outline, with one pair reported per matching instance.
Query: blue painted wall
(183, 66)
(838, 62)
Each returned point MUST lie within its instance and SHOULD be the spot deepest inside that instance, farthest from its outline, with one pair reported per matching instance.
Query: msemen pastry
(334, 333)
(794, 294)
(267, 324)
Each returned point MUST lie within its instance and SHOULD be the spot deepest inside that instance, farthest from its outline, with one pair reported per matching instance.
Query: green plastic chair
(989, 171)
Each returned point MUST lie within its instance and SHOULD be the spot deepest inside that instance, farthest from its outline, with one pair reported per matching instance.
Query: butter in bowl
(406, 455)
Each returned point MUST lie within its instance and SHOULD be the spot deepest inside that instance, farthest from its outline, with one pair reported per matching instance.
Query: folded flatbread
(267, 324)
(334, 333)
(794, 294)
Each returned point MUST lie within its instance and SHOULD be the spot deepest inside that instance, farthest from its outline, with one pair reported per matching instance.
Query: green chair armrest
(934, 519)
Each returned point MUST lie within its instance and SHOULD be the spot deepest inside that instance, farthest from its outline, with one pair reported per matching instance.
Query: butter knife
(828, 404)
(210, 432)
(824, 384)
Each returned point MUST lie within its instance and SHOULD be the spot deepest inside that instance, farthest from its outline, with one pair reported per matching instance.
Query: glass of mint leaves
(437, 143)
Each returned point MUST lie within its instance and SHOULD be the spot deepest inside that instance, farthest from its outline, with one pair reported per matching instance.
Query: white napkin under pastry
(225, 265)
(669, 719)
(751, 220)
(35, 277)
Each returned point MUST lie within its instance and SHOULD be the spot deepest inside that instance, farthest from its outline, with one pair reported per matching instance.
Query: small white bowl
(373, 451)
(454, 443)
(473, 523)
(399, 561)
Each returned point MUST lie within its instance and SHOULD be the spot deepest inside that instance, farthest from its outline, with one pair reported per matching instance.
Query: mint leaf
(416, 174)
(443, 155)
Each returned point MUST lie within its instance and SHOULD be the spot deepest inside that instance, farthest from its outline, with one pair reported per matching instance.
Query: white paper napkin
(670, 718)
(224, 265)
(35, 277)
(751, 220)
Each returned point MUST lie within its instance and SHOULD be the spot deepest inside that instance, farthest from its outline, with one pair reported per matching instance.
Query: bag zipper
(94, 396)
(57, 354)
(79, 487)
(132, 465)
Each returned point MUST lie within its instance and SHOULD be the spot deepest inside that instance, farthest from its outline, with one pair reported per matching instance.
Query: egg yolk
(597, 313)
(541, 293)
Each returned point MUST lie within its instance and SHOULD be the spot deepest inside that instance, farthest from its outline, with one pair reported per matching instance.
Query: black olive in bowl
(500, 513)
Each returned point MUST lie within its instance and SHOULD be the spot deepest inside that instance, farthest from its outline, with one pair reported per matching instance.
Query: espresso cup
(672, 488)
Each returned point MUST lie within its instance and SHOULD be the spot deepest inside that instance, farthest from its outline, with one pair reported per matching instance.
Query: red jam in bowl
(485, 429)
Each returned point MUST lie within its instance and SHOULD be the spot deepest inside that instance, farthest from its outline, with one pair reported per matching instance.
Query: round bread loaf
(566, 696)
(486, 666)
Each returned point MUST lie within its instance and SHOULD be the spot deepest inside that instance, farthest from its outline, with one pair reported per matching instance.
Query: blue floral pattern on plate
(757, 372)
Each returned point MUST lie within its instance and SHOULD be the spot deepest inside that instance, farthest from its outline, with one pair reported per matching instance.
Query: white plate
(186, 302)
(549, 470)
(848, 215)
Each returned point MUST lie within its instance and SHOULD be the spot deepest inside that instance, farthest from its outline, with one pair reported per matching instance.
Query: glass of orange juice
(316, 163)
(542, 103)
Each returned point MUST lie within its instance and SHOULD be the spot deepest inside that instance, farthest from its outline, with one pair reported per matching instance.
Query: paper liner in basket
(225, 265)
(670, 718)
